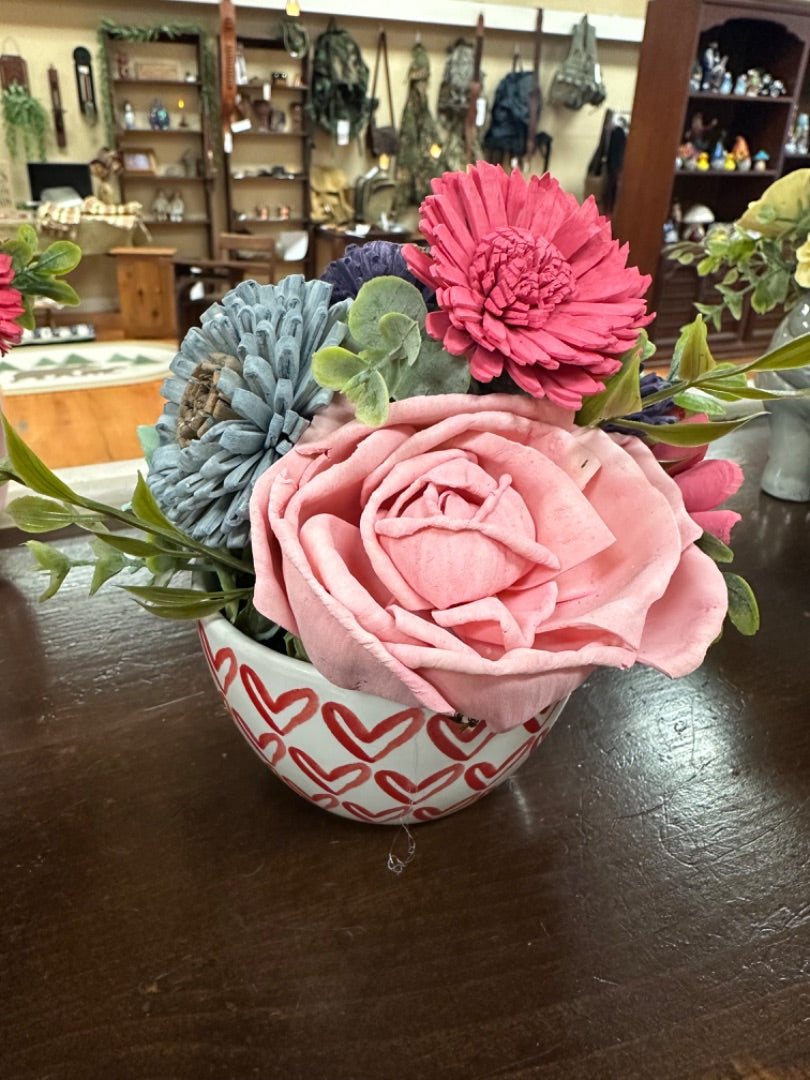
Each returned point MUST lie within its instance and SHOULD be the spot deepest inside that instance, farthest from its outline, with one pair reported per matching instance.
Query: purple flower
(662, 412)
(361, 263)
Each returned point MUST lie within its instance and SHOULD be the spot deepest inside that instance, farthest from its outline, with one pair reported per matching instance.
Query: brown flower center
(202, 405)
(522, 277)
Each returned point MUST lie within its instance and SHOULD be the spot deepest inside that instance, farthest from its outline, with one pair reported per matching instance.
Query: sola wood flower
(241, 396)
(527, 280)
(359, 264)
(11, 307)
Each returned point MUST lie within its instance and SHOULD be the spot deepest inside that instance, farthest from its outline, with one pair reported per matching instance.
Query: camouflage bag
(339, 82)
(420, 156)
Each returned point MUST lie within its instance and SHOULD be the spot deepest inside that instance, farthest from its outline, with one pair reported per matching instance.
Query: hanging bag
(382, 140)
(579, 81)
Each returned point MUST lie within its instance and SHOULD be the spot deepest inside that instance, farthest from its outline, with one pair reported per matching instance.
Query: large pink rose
(481, 555)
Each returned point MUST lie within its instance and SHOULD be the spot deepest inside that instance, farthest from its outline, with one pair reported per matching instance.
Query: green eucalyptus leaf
(686, 434)
(59, 258)
(743, 610)
(368, 393)
(435, 371)
(400, 335)
(333, 366)
(130, 545)
(715, 548)
(380, 297)
(54, 561)
(33, 514)
(170, 603)
(32, 472)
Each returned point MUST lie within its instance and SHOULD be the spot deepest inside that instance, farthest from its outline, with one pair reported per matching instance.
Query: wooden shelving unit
(182, 153)
(773, 35)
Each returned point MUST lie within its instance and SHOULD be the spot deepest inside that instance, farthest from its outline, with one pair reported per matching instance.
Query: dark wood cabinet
(753, 34)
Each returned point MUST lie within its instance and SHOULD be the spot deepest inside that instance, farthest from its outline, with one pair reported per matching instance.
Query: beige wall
(46, 33)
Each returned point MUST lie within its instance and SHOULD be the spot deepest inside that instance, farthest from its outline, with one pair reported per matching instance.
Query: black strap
(382, 49)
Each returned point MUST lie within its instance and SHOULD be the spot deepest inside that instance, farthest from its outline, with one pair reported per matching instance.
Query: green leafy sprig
(40, 273)
(388, 355)
(160, 548)
(25, 121)
(693, 369)
(760, 267)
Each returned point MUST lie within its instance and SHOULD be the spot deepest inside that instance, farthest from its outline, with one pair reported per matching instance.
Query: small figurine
(741, 85)
(730, 163)
(754, 82)
(708, 62)
(761, 159)
(777, 88)
(742, 155)
(718, 158)
(158, 116)
(177, 207)
(703, 163)
(122, 65)
(801, 133)
(129, 116)
(696, 77)
(160, 206)
(726, 83)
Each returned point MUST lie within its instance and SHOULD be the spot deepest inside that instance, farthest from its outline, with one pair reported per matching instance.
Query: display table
(633, 904)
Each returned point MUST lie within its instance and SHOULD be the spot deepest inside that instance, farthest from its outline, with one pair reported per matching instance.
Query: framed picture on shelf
(157, 70)
(139, 161)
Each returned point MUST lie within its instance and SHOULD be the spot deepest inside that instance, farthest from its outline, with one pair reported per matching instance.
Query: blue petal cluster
(241, 395)
(361, 263)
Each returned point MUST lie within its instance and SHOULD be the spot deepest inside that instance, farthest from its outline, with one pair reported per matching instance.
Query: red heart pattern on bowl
(356, 755)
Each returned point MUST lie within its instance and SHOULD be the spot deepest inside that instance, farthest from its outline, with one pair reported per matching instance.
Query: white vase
(787, 472)
(353, 754)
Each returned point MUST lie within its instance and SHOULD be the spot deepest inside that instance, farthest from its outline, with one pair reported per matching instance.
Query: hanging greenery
(25, 122)
(209, 92)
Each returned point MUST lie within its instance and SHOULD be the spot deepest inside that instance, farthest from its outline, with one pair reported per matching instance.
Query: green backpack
(339, 82)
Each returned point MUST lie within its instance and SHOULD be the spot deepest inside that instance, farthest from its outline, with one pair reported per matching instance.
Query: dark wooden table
(635, 903)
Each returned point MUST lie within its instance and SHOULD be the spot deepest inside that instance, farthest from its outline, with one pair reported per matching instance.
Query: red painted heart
(406, 791)
(215, 661)
(322, 798)
(483, 774)
(261, 742)
(348, 728)
(428, 813)
(265, 704)
(389, 814)
(457, 741)
(354, 773)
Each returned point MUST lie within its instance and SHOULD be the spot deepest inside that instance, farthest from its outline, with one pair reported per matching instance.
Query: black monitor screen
(43, 175)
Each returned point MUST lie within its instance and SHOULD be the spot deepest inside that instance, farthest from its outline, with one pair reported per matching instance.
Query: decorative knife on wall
(83, 63)
(56, 108)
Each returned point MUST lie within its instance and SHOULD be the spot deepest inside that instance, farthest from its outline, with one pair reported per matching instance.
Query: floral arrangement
(763, 255)
(441, 473)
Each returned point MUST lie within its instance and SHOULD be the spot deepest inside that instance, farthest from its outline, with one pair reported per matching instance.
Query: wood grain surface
(635, 903)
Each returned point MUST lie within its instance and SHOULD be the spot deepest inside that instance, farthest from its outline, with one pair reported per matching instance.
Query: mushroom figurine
(695, 221)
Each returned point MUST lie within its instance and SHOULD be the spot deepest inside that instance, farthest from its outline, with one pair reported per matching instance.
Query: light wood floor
(85, 427)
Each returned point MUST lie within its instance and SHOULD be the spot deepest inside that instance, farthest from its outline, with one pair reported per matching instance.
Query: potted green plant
(25, 121)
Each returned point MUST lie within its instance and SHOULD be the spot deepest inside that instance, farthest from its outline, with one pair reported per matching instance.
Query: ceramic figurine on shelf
(718, 158)
(700, 133)
(158, 116)
(703, 163)
(741, 85)
(754, 82)
(730, 163)
(761, 159)
(727, 83)
(160, 206)
(129, 116)
(801, 133)
(696, 77)
(742, 155)
(177, 207)
(708, 62)
(122, 65)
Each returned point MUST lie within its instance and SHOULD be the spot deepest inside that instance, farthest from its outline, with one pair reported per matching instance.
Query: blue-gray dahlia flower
(362, 262)
(241, 395)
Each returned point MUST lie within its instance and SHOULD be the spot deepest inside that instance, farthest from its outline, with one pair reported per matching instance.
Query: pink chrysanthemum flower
(527, 280)
(11, 306)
